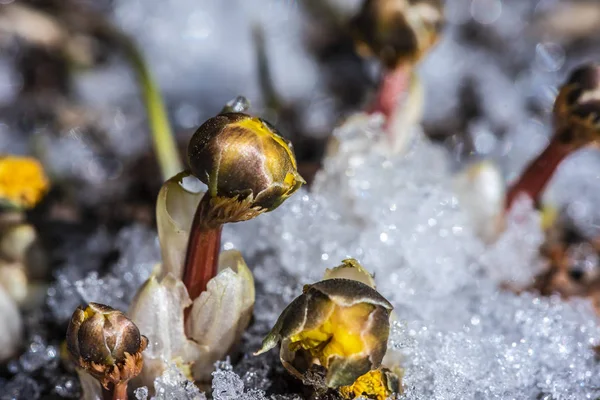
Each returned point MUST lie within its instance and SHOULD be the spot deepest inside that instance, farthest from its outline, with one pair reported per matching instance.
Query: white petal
(220, 315)
(158, 311)
(175, 209)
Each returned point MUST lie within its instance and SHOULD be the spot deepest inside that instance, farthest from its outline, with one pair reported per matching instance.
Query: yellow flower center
(22, 181)
(340, 335)
(371, 385)
(257, 126)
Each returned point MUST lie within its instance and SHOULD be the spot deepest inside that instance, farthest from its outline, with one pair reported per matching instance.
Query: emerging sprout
(192, 332)
(22, 181)
(248, 167)
(576, 124)
(107, 345)
(341, 325)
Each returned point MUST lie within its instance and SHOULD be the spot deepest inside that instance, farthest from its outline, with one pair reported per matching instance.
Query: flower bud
(22, 181)
(577, 107)
(248, 167)
(341, 325)
(351, 269)
(105, 343)
(396, 31)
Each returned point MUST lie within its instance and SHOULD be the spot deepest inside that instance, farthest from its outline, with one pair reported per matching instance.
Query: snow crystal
(79, 280)
(459, 334)
(172, 384)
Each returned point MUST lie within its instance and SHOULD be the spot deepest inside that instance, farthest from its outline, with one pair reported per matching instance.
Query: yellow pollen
(340, 335)
(22, 181)
(371, 385)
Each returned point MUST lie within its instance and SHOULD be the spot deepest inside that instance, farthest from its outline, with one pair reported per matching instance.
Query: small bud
(105, 343)
(248, 167)
(577, 107)
(341, 325)
(350, 269)
(396, 31)
(378, 384)
(22, 181)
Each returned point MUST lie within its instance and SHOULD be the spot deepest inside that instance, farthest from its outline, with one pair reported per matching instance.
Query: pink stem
(539, 172)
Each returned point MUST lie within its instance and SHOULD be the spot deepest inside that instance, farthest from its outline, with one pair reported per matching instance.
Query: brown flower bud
(577, 107)
(341, 325)
(248, 167)
(396, 31)
(105, 343)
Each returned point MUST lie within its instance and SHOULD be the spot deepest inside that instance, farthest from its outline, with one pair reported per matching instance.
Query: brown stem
(394, 86)
(116, 392)
(539, 172)
(202, 257)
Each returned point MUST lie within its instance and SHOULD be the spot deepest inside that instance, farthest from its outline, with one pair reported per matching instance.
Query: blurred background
(69, 97)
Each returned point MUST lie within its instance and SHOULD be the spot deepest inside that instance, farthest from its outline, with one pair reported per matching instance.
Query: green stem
(162, 135)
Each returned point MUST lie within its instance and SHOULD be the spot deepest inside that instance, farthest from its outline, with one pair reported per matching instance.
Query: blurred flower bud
(22, 181)
(577, 107)
(378, 384)
(248, 167)
(14, 280)
(220, 315)
(481, 191)
(175, 207)
(397, 31)
(351, 269)
(11, 326)
(340, 325)
(15, 240)
(105, 343)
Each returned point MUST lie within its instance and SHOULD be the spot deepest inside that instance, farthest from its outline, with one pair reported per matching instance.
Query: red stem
(394, 86)
(539, 172)
(116, 392)
(202, 257)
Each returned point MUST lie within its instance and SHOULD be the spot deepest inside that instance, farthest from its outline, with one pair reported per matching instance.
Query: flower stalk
(576, 125)
(249, 169)
(202, 256)
(162, 135)
(538, 173)
(398, 33)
